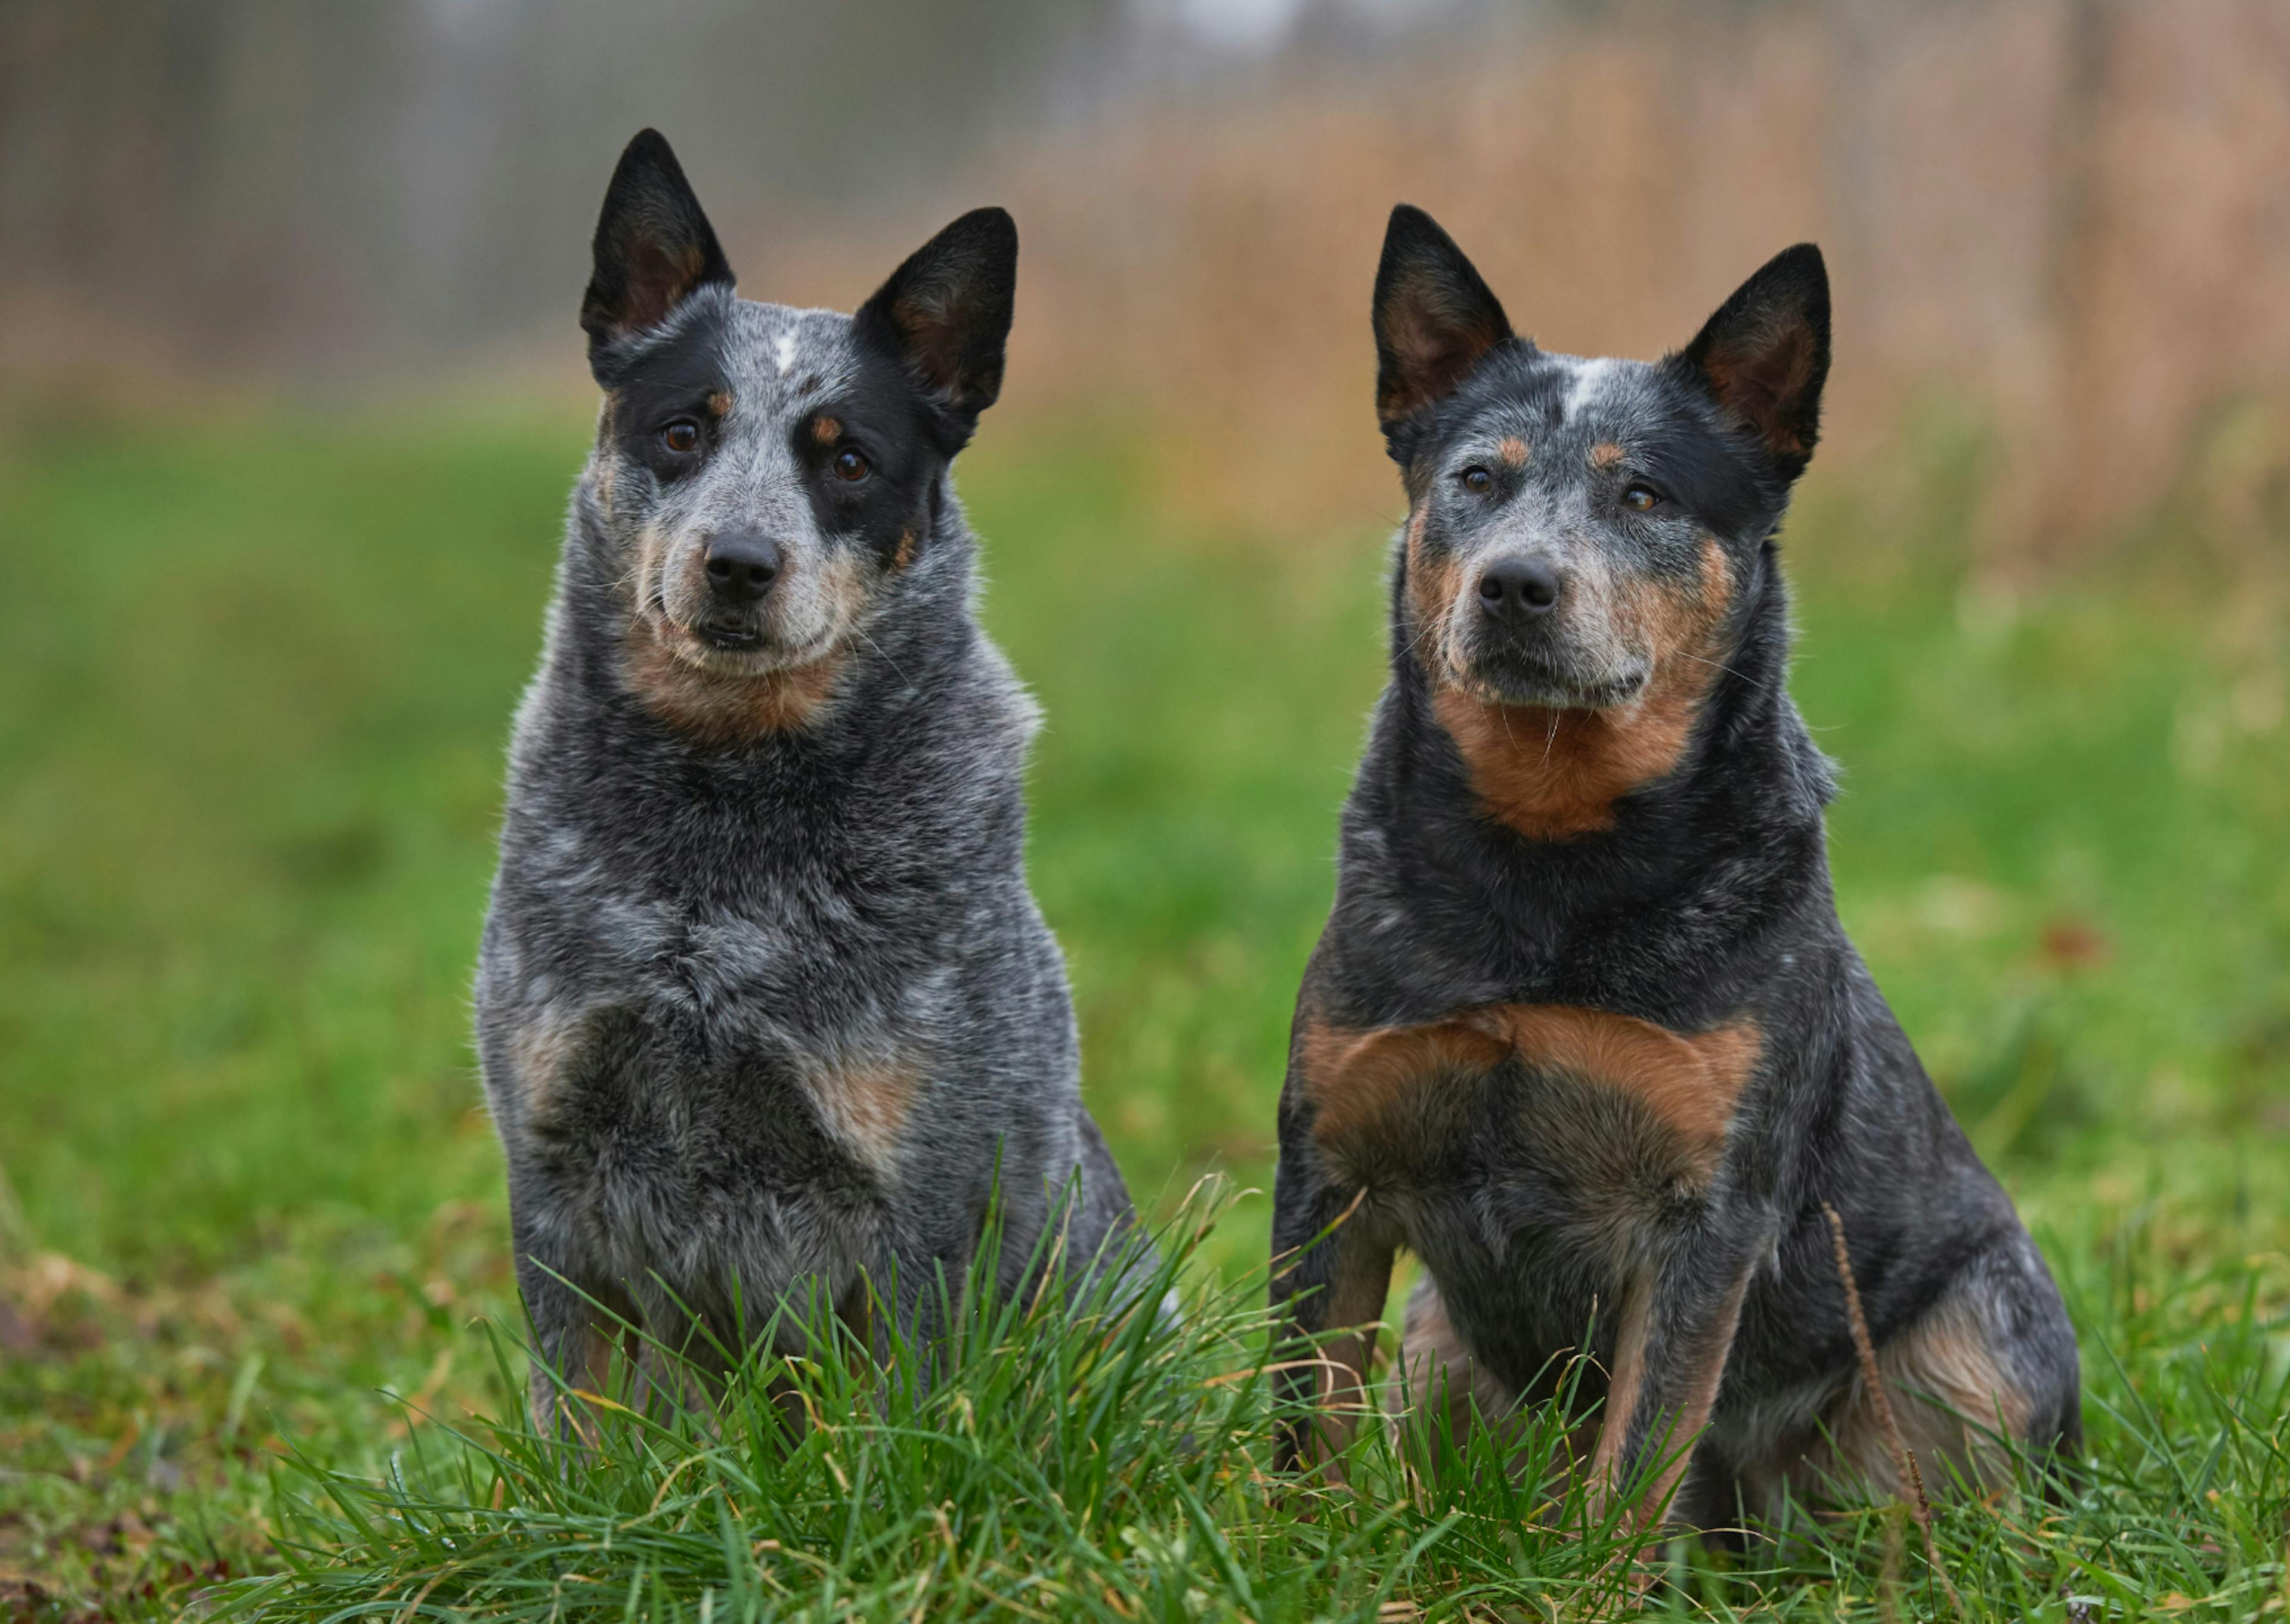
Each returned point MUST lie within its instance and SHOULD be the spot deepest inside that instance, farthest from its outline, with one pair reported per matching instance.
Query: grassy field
(254, 685)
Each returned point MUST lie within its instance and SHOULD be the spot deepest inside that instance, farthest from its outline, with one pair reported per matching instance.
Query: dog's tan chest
(1606, 1089)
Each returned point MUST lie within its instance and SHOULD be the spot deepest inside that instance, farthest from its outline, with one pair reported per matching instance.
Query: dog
(766, 1012)
(1584, 1031)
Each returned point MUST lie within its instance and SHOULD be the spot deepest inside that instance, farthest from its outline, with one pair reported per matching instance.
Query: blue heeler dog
(765, 1008)
(1584, 1031)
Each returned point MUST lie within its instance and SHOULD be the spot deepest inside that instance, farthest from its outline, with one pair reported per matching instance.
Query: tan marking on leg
(1625, 1383)
(590, 1372)
(1950, 1399)
(541, 1051)
(826, 430)
(1354, 1306)
(1553, 774)
(1513, 450)
(1606, 456)
(1700, 1396)
(866, 1106)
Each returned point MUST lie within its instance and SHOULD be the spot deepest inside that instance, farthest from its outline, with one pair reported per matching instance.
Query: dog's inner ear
(1764, 357)
(946, 313)
(654, 247)
(1434, 317)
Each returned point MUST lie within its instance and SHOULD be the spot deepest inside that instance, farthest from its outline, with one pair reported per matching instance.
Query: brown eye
(850, 467)
(682, 436)
(1640, 497)
(1477, 479)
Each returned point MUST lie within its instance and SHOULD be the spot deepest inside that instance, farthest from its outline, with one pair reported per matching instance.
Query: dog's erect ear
(1434, 318)
(1764, 357)
(946, 313)
(654, 248)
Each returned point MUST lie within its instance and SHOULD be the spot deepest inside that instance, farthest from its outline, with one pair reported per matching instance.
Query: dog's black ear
(946, 313)
(1764, 357)
(1434, 317)
(654, 248)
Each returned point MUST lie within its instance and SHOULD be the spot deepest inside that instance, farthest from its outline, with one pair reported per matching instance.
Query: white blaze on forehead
(1589, 381)
(783, 352)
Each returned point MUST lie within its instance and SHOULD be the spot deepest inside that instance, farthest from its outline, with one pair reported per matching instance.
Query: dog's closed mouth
(1534, 682)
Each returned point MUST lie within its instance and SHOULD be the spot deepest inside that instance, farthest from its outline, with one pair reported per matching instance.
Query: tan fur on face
(1553, 773)
(826, 430)
(1606, 456)
(723, 708)
(607, 466)
(1430, 589)
(1513, 450)
(717, 700)
(719, 405)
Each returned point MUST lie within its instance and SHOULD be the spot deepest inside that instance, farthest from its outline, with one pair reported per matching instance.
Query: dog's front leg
(1678, 1314)
(1332, 1271)
(574, 1343)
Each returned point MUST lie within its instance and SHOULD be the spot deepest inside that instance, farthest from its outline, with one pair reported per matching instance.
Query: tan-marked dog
(767, 1013)
(1584, 1031)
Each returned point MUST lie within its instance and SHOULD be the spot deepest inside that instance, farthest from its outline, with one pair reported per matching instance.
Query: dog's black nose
(1519, 588)
(741, 566)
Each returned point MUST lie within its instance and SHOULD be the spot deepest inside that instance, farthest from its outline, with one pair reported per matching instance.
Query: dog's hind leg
(1987, 1372)
(573, 1344)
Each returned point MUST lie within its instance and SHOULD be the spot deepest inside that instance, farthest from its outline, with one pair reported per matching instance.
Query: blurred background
(292, 394)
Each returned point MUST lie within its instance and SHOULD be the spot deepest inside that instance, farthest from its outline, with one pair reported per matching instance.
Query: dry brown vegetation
(2071, 217)
(2067, 220)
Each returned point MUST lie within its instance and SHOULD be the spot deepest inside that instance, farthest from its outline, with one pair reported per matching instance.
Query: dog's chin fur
(689, 648)
(1546, 690)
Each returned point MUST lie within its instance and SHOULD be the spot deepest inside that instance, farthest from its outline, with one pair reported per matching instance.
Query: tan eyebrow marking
(1512, 450)
(719, 404)
(826, 430)
(1605, 454)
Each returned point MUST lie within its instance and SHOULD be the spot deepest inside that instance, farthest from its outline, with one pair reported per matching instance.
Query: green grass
(254, 682)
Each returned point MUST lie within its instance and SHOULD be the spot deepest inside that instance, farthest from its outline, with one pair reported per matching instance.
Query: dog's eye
(1640, 497)
(682, 436)
(1477, 479)
(850, 468)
